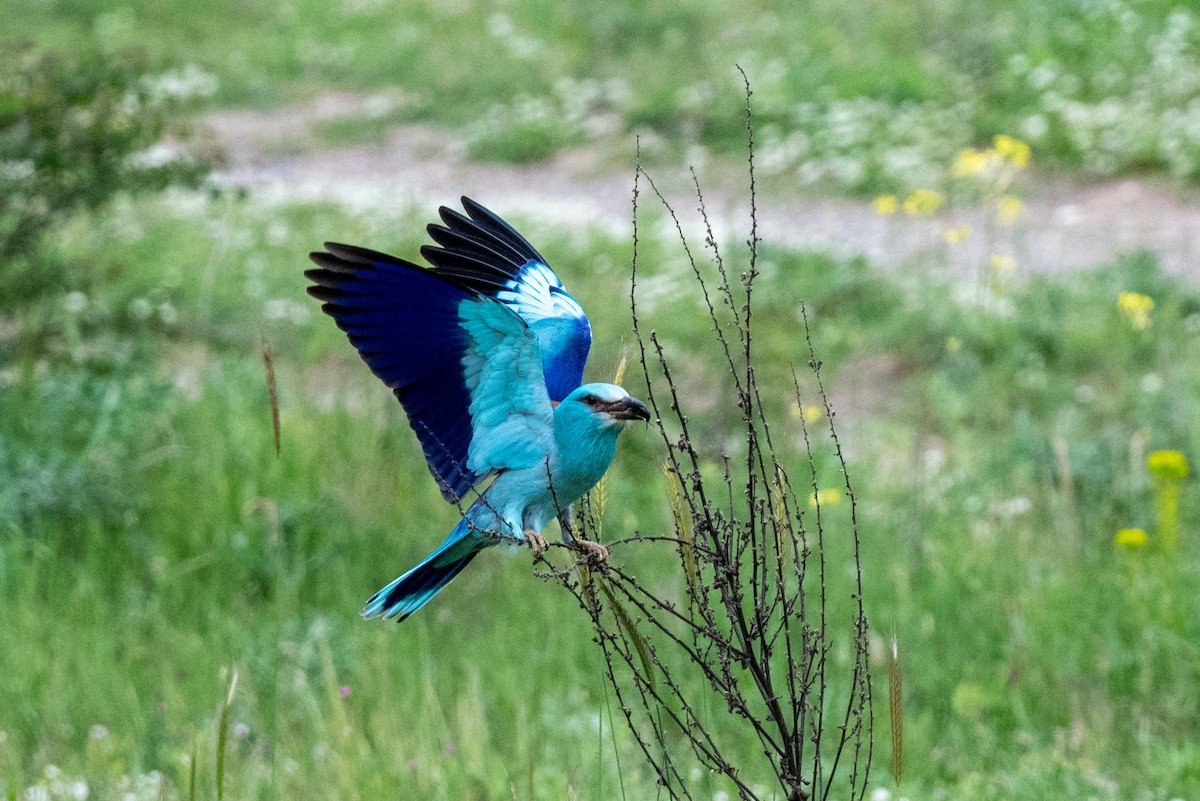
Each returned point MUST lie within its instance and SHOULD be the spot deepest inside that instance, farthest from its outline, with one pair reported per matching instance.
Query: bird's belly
(529, 499)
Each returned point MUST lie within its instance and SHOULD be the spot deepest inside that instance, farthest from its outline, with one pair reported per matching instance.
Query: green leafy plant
(75, 131)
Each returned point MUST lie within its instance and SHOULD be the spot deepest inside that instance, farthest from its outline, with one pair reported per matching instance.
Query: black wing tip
(454, 219)
(329, 263)
(326, 293)
(339, 262)
(346, 259)
(361, 255)
(477, 216)
(481, 215)
(474, 206)
(487, 228)
(433, 254)
(446, 255)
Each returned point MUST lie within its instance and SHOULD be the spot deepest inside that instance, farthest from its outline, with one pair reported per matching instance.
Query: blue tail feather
(418, 586)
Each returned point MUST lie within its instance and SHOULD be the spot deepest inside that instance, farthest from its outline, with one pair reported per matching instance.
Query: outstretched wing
(467, 370)
(484, 253)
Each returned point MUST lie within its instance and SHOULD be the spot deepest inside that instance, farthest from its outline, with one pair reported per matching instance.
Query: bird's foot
(537, 543)
(594, 552)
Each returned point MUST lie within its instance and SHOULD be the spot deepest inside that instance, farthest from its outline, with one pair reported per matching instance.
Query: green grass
(1104, 86)
(151, 540)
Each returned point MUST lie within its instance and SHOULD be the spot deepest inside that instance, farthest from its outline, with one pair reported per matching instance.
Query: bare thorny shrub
(750, 632)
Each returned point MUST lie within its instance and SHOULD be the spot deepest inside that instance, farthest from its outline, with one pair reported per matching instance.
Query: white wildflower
(499, 25)
(377, 106)
(1035, 126)
(16, 170)
(157, 155)
(139, 309)
(1011, 508)
(38, 792)
(75, 302)
(182, 84)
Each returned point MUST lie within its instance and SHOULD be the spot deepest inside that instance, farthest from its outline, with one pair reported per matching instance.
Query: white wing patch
(536, 294)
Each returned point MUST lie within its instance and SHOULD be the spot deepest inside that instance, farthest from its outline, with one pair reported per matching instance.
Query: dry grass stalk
(268, 357)
(896, 709)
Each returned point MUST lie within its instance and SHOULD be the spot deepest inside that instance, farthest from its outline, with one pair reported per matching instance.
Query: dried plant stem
(753, 631)
(223, 734)
(268, 357)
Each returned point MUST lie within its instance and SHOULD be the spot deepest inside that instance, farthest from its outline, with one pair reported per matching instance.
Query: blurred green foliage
(996, 424)
(861, 97)
(76, 130)
(150, 537)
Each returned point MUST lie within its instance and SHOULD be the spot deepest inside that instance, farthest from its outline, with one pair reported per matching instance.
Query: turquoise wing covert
(482, 252)
(466, 368)
(512, 418)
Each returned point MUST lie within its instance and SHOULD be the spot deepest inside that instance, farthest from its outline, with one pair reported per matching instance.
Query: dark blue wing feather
(404, 321)
(482, 252)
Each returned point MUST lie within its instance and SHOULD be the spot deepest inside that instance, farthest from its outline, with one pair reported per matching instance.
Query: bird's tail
(417, 587)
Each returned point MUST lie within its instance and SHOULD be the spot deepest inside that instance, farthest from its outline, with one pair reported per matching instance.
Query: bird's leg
(537, 543)
(564, 525)
(593, 551)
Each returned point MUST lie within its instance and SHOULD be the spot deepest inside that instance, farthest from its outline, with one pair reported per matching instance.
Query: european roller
(485, 350)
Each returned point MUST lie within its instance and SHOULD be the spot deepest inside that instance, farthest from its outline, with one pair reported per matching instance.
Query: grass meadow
(1026, 543)
(859, 98)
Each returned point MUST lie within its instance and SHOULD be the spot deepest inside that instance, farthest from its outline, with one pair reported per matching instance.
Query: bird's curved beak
(627, 409)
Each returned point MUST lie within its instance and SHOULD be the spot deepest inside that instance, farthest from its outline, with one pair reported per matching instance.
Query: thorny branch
(752, 629)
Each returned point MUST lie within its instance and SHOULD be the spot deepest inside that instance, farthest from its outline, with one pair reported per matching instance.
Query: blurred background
(989, 209)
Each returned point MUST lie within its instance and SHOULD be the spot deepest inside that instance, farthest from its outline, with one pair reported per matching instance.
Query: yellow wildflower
(810, 412)
(957, 234)
(1169, 465)
(971, 162)
(953, 344)
(1136, 308)
(826, 497)
(1008, 208)
(923, 201)
(1003, 264)
(1169, 468)
(885, 204)
(1131, 538)
(969, 700)
(1014, 151)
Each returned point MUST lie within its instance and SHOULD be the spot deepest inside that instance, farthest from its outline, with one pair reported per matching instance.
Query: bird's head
(608, 403)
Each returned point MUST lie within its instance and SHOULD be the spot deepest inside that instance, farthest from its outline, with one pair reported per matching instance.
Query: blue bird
(485, 350)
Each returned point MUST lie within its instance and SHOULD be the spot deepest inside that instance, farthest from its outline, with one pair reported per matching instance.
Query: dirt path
(1065, 226)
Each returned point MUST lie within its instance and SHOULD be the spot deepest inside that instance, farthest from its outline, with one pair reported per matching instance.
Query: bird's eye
(590, 400)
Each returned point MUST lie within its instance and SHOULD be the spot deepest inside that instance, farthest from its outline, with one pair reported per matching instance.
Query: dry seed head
(622, 367)
(896, 709)
(683, 528)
